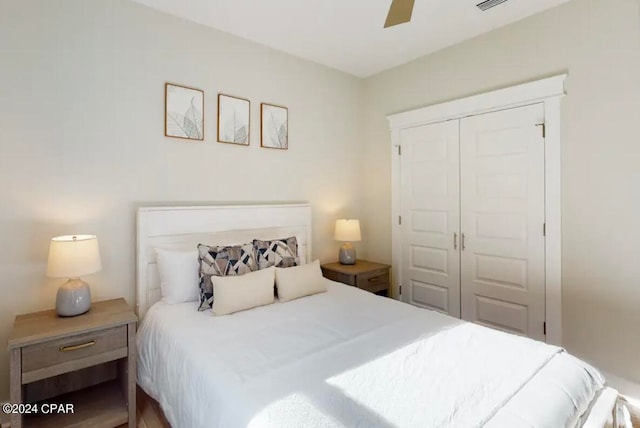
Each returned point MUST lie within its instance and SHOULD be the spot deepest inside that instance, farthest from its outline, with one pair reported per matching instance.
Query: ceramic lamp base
(347, 255)
(73, 298)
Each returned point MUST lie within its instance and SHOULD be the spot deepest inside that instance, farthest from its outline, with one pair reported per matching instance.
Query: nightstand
(88, 361)
(369, 276)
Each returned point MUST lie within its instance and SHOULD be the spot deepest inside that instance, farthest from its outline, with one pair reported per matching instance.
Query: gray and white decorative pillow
(278, 252)
(222, 261)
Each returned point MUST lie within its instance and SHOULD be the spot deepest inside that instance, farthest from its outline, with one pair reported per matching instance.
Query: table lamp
(72, 257)
(347, 231)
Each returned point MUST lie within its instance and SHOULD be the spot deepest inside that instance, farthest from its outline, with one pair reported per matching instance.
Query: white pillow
(240, 292)
(179, 279)
(299, 281)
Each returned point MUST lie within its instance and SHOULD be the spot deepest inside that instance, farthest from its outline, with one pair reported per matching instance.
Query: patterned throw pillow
(278, 252)
(222, 261)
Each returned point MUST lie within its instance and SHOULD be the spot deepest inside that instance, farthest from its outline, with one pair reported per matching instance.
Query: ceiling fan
(399, 12)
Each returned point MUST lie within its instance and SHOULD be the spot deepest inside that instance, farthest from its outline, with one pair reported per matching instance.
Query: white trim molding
(501, 99)
(628, 389)
(548, 91)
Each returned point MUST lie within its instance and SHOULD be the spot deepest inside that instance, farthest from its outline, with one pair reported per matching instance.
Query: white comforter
(349, 358)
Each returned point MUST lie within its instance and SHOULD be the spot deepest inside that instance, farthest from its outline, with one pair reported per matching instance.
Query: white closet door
(430, 259)
(502, 219)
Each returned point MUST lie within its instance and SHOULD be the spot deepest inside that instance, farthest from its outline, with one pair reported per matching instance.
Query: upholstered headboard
(186, 227)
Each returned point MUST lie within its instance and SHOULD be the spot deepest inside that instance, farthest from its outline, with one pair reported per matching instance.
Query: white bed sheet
(314, 361)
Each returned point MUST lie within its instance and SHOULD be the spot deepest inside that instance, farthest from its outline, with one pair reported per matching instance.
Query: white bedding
(350, 358)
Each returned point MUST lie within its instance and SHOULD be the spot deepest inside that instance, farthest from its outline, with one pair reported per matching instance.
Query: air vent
(488, 4)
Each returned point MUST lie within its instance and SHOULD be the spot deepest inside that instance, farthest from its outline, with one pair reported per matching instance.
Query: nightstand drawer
(374, 281)
(339, 277)
(73, 352)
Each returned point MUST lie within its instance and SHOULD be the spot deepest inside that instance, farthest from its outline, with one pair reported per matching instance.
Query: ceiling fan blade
(399, 12)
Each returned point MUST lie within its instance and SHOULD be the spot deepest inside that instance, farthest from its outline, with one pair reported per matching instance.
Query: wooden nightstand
(88, 361)
(369, 276)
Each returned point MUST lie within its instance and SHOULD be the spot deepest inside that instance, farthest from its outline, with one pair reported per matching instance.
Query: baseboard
(628, 389)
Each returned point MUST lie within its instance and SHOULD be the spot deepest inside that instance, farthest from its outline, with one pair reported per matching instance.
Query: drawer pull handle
(374, 279)
(76, 347)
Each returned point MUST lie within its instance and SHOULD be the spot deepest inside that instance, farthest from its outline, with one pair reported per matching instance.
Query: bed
(341, 358)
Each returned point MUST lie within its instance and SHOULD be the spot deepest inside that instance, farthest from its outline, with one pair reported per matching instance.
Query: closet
(471, 227)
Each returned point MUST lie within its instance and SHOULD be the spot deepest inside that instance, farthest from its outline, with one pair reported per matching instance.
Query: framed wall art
(274, 126)
(183, 112)
(233, 120)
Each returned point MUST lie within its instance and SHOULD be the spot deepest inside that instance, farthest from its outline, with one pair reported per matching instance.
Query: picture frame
(234, 120)
(274, 126)
(183, 112)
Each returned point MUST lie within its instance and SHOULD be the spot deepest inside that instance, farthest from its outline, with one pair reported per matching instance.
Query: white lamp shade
(73, 256)
(347, 230)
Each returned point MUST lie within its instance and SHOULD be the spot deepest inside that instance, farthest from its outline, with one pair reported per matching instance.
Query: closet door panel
(430, 261)
(502, 218)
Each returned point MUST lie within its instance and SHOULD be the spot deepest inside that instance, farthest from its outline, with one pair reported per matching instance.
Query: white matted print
(274, 126)
(233, 120)
(184, 112)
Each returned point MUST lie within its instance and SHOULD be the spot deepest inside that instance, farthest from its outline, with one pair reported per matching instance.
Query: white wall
(82, 141)
(598, 43)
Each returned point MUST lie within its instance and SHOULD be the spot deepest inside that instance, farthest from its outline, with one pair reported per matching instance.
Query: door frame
(550, 92)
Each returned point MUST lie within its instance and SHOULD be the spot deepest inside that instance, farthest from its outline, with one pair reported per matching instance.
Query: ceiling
(347, 34)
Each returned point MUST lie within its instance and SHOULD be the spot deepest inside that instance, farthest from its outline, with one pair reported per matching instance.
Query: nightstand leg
(16, 385)
(132, 375)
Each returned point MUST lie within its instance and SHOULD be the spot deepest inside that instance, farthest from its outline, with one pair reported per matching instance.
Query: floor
(635, 420)
(149, 414)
